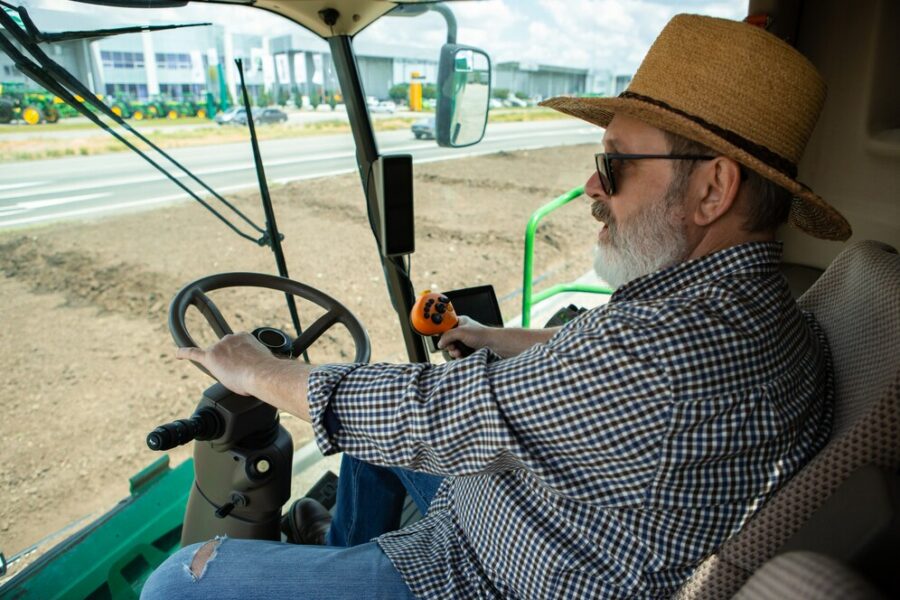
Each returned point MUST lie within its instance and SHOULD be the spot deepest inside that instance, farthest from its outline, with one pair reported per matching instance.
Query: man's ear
(718, 182)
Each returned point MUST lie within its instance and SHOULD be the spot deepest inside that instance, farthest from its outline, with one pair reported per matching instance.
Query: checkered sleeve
(584, 412)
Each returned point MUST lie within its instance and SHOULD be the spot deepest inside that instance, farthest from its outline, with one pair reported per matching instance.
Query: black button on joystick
(436, 319)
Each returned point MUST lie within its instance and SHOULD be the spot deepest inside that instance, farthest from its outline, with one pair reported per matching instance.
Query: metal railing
(529, 298)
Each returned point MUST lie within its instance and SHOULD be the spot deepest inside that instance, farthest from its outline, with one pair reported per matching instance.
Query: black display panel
(479, 303)
(394, 177)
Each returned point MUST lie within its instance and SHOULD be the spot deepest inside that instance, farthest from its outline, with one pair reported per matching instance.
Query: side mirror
(464, 89)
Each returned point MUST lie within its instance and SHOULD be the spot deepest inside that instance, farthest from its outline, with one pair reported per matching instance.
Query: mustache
(601, 212)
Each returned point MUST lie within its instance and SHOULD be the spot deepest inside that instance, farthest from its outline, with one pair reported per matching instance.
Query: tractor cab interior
(832, 531)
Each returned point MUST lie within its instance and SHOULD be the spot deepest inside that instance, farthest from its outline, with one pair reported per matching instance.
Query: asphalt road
(76, 188)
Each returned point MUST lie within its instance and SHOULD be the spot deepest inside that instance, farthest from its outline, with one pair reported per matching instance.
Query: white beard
(652, 240)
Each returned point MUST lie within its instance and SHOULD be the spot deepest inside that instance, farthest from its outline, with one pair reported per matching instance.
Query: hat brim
(809, 212)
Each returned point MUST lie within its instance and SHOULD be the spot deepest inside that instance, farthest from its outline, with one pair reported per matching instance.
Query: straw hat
(737, 89)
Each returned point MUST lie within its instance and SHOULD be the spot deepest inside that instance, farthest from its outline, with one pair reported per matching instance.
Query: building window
(127, 91)
(168, 60)
(122, 60)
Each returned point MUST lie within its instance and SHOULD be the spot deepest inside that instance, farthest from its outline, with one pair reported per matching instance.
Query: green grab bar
(528, 296)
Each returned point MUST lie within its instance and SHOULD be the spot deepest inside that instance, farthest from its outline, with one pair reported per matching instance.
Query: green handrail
(528, 297)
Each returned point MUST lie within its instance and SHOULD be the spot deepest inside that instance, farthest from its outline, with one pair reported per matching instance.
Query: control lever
(205, 424)
(432, 315)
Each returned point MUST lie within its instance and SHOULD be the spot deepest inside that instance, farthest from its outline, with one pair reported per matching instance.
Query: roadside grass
(171, 135)
(82, 124)
(518, 115)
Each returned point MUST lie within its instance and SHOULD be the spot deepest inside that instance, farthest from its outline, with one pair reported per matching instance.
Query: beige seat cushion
(804, 575)
(857, 302)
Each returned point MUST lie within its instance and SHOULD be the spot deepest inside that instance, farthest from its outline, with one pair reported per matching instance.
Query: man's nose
(592, 187)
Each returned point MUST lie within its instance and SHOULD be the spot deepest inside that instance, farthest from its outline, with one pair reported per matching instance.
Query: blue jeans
(251, 569)
(370, 502)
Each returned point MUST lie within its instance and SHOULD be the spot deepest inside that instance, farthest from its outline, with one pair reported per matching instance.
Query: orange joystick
(432, 314)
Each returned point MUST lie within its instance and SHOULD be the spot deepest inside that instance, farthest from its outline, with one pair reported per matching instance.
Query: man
(608, 457)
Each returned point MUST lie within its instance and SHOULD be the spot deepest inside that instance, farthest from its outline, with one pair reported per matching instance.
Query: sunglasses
(606, 165)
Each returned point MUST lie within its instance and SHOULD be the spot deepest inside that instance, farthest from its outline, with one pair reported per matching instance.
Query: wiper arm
(271, 224)
(65, 36)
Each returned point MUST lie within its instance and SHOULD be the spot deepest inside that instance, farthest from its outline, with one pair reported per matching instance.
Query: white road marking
(32, 204)
(109, 207)
(284, 180)
(21, 207)
(13, 186)
(12, 210)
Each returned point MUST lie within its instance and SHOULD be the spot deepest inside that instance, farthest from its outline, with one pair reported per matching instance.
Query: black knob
(225, 510)
(206, 424)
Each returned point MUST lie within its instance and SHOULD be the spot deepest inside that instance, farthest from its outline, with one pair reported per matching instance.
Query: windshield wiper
(66, 36)
(271, 225)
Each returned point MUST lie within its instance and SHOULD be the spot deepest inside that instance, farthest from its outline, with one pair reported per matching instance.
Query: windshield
(94, 241)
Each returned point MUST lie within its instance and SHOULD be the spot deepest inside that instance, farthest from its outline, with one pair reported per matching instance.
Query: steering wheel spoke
(315, 331)
(210, 312)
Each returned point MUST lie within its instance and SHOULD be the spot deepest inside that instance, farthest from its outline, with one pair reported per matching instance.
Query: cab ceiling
(352, 15)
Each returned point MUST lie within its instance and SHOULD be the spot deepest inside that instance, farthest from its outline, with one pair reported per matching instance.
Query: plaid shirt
(609, 461)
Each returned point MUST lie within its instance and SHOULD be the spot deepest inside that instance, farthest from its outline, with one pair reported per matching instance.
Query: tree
(521, 95)
(330, 99)
(429, 91)
(315, 99)
(283, 96)
(399, 92)
(500, 93)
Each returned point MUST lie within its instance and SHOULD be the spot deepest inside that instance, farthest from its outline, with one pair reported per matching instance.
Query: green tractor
(193, 107)
(165, 108)
(65, 111)
(121, 105)
(30, 106)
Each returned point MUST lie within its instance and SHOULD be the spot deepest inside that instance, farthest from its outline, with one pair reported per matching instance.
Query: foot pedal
(325, 490)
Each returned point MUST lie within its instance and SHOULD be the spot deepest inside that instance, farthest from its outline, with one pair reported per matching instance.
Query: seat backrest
(803, 575)
(857, 302)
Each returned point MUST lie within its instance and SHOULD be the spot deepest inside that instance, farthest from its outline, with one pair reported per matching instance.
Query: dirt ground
(88, 366)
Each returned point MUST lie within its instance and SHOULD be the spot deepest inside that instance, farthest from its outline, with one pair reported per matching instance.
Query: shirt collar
(764, 257)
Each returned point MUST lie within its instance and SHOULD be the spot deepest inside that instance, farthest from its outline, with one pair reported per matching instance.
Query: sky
(611, 35)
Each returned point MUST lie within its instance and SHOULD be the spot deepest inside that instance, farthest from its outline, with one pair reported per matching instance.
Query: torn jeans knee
(202, 557)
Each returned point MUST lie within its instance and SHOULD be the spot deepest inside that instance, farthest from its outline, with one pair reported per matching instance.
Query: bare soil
(88, 366)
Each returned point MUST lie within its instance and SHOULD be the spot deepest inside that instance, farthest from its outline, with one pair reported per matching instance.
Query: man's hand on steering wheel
(236, 361)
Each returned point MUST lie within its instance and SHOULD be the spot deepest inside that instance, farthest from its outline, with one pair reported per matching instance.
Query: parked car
(424, 129)
(262, 116)
(385, 106)
(229, 115)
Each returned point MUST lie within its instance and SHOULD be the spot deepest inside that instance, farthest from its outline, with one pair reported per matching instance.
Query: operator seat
(857, 302)
(803, 575)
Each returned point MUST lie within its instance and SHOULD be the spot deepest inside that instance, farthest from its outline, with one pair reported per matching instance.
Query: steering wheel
(194, 294)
